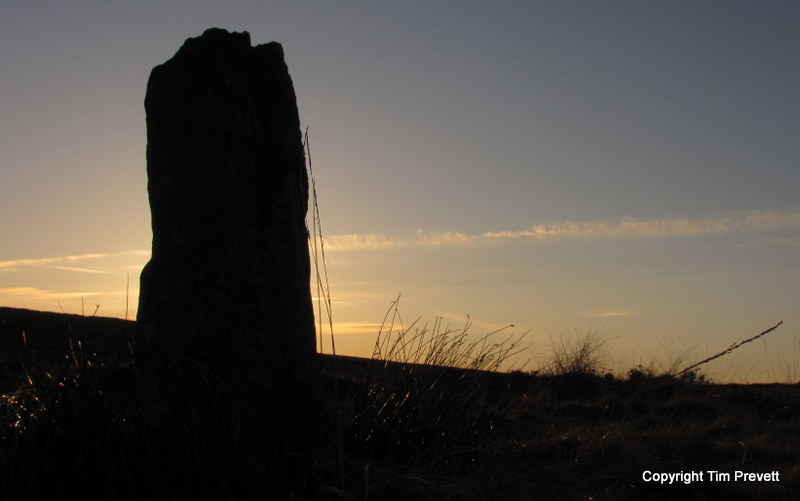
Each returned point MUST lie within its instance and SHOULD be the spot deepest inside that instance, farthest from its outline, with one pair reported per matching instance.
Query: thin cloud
(35, 293)
(334, 301)
(628, 227)
(44, 261)
(611, 314)
(75, 268)
(58, 262)
(654, 228)
(449, 238)
(457, 322)
(344, 328)
(369, 241)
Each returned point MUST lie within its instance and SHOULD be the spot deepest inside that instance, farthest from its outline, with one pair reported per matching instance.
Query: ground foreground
(75, 418)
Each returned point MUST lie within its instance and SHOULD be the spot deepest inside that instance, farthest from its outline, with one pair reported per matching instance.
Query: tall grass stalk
(730, 348)
(324, 298)
(440, 345)
(318, 253)
(424, 400)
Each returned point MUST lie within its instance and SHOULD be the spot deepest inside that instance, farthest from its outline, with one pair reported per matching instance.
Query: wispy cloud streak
(344, 328)
(57, 262)
(612, 314)
(75, 268)
(363, 242)
(627, 227)
(36, 293)
(633, 227)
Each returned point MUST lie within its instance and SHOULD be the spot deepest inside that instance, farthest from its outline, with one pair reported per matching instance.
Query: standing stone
(227, 288)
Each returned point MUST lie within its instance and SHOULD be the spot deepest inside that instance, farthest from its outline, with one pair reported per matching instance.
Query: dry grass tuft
(574, 353)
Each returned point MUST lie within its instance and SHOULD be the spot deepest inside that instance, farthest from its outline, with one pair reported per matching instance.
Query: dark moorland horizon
(561, 166)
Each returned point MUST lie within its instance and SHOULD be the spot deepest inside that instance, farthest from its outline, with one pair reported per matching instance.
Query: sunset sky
(626, 168)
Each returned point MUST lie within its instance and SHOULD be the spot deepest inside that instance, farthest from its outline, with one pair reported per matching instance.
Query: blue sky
(624, 167)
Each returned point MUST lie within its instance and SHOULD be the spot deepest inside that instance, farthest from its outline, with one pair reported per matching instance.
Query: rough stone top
(219, 36)
(223, 39)
(221, 62)
(217, 45)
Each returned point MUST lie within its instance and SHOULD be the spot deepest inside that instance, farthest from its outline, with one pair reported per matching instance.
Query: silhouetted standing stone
(227, 288)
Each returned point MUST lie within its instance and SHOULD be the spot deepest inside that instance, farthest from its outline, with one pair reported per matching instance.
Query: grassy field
(75, 419)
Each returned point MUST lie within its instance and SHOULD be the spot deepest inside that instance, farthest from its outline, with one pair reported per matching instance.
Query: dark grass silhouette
(82, 424)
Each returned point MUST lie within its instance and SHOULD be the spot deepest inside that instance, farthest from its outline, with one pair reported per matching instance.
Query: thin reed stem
(730, 349)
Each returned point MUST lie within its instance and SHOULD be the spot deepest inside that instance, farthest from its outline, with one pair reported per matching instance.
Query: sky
(628, 168)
